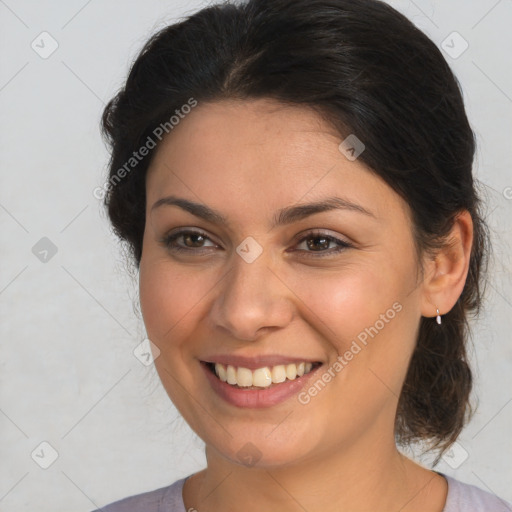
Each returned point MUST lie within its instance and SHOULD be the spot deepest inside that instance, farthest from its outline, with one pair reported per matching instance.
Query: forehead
(260, 154)
(264, 127)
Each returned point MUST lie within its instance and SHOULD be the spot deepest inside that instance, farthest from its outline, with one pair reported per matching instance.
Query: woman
(293, 179)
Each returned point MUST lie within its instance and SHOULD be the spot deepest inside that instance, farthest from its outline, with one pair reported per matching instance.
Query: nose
(251, 301)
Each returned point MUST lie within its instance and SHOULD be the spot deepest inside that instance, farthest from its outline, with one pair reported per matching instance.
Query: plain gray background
(69, 377)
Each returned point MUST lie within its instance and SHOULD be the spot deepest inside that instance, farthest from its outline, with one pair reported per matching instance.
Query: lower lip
(257, 398)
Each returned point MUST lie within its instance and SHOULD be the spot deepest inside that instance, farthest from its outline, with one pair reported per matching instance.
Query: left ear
(445, 274)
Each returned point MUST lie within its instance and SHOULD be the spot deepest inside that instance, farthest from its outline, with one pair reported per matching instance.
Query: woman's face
(261, 282)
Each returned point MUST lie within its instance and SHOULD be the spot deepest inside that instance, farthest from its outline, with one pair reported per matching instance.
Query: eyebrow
(282, 217)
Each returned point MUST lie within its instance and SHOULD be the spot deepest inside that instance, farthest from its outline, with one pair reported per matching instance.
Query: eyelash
(169, 242)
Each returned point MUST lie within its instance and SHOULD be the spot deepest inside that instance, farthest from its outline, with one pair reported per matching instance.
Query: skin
(246, 160)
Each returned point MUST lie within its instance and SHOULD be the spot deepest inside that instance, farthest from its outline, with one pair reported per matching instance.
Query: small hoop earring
(438, 317)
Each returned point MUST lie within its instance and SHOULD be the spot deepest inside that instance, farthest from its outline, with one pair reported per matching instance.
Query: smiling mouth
(260, 378)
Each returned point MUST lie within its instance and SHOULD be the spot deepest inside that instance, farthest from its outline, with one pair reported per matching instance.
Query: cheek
(342, 303)
(169, 299)
(367, 315)
(166, 298)
(368, 319)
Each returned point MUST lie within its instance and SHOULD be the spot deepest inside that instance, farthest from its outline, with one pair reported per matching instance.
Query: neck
(347, 479)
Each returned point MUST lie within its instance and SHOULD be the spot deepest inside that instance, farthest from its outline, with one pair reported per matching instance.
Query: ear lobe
(448, 270)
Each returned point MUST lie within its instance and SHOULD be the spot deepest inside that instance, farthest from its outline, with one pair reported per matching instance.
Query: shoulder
(469, 498)
(168, 499)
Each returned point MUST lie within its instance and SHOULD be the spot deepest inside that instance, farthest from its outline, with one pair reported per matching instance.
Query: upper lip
(255, 362)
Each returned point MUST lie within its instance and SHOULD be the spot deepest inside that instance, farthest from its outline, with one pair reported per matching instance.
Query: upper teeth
(262, 377)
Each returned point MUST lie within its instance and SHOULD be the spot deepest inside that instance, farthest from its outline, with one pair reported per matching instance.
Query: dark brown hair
(367, 70)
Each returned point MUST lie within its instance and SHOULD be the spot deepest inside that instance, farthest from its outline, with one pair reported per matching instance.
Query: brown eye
(193, 239)
(318, 243)
(321, 244)
(187, 240)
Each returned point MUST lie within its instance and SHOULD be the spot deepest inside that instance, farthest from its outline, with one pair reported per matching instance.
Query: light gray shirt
(461, 498)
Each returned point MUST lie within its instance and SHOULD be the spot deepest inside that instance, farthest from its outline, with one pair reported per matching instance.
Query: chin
(262, 446)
